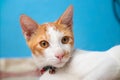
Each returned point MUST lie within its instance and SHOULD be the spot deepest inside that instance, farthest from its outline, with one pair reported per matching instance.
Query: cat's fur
(71, 64)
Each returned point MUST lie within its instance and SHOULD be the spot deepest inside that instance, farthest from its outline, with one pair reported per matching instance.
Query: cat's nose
(59, 56)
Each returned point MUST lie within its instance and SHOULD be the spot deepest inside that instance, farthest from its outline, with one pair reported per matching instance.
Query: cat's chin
(59, 65)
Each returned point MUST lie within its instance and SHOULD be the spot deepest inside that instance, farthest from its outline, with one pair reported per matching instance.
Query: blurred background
(96, 23)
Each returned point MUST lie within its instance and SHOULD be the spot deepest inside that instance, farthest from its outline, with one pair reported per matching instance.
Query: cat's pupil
(44, 43)
(65, 39)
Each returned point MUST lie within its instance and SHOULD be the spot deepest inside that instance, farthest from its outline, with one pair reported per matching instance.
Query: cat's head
(50, 43)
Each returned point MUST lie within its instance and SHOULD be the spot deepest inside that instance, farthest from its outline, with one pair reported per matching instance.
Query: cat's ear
(67, 17)
(28, 25)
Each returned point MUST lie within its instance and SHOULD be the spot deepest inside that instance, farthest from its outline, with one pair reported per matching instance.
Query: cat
(53, 44)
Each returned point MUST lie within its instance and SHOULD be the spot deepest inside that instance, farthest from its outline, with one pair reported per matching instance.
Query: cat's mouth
(60, 63)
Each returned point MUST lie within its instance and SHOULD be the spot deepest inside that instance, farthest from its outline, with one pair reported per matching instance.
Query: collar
(50, 68)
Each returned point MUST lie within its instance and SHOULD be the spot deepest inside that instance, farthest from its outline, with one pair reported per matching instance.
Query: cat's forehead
(56, 27)
(53, 25)
(52, 30)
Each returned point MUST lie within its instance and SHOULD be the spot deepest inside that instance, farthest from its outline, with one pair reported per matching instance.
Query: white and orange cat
(53, 44)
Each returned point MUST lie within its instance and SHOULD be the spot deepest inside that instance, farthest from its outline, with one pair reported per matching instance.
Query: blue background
(95, 26)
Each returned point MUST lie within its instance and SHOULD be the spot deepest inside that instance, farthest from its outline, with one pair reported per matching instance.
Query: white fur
(85, 65)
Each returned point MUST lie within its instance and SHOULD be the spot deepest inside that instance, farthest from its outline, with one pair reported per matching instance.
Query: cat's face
(50, 43)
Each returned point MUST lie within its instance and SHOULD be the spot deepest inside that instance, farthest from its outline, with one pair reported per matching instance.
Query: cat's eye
(65, 40)
(44, 44)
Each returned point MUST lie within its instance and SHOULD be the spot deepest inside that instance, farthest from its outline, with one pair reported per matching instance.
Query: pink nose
(59, 56)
